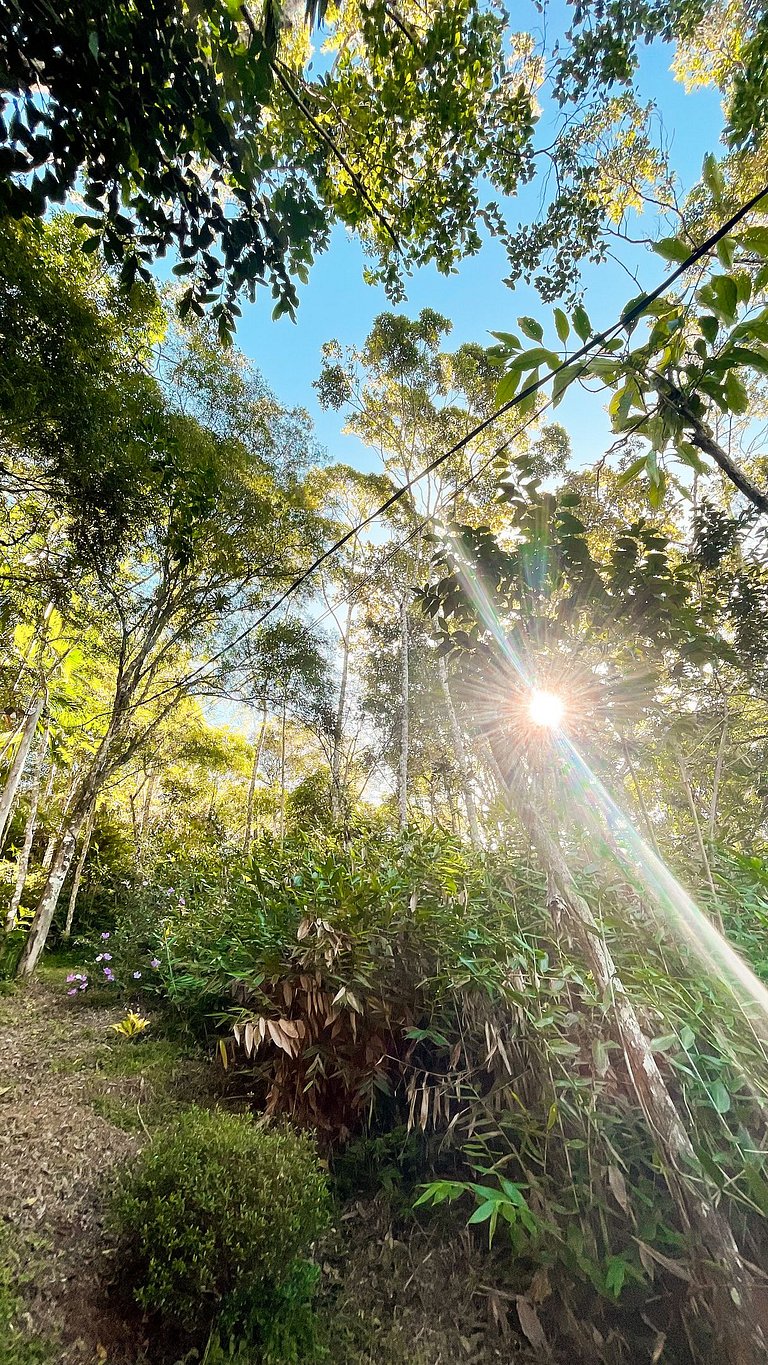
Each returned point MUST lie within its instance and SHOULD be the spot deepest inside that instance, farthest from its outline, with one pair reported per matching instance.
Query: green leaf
(721, 1100)
(709, 327)
(687, 1037)
(631, 472)
(562, 325)
(508, 339)
(665, 1043)
(531, 328)
(672, 249)
(713, 176)
(656, 490)
(507, 387)
(736, 395)
(756, 239)
(531, 360)
(581, 323)
(563, 381)
(484, 1212)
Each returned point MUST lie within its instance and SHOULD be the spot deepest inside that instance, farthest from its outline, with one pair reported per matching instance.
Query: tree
(139, 98)
(77, 403)
(225, 529)
(544, 612)
(409, 399)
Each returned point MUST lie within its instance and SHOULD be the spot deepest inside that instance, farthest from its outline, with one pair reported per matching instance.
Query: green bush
(215, 1213)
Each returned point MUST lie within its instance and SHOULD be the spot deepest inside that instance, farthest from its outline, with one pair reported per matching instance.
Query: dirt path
(56, 1153)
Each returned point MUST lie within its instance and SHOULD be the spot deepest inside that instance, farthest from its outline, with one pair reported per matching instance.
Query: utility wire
(626, 320)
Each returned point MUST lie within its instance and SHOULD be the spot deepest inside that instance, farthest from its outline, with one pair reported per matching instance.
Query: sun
(546, 709)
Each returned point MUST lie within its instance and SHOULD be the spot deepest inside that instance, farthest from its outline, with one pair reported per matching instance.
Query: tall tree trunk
(19, 761)
(22, 862)
(460, 753)
(248, 837)
(83, 800)
(734, 1316)
(54, 838)
(405, 704)
(699, 837)
(78, 877)
(282, 774)
(338, 728)
(146, 807)
(712, 822)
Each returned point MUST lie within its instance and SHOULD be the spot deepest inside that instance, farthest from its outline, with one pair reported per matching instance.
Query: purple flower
(109, 974)
(155, 962)
(136, 976)
(84, 986)
(72, 977)
(104, 937)
(107, 957)
(72, 992)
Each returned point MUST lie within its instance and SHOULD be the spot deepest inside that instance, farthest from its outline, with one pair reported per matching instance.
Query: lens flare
(546, 709)
(663, 894)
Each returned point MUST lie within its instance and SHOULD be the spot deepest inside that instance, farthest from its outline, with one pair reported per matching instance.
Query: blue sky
(337, 303)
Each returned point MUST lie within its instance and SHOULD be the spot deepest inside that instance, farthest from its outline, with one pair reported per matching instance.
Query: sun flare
(546, 709)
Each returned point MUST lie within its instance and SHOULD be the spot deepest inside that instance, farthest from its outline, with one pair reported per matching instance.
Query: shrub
(216, 1211)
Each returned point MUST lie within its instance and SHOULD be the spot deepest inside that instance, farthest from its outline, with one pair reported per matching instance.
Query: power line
(592, 344)
(626, 320)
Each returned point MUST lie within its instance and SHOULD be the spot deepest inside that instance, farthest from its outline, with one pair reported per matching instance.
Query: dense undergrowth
(409, 1002)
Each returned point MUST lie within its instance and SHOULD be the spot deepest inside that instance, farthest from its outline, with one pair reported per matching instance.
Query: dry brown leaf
(618, 1188)
(531, 1326)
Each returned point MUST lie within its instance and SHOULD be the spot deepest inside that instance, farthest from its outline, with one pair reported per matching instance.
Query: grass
(144, 1084)
(17, 1346)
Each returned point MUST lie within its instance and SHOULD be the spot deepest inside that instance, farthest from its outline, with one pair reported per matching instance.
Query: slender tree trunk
(734, 1316)
(712, 822)
(83, 798)
(405, 703)
(699, 836)
(248, 838)
(460, 753)
(639, 794)
(282, 775)
(22, 862)
(146, 807)
(78, 877)
(54, 838)
(19, 761)
(338, 729)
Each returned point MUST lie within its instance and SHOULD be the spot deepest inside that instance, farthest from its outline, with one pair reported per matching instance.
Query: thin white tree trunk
(22, 862)
(146, 807)
(404, 727)
(712, 822)
(699, 836)
(282, 775)
(460, 754)
(338, 729)
(248, 837)
(78, 877)
(54, 838)
(18, 764)
(82, 802)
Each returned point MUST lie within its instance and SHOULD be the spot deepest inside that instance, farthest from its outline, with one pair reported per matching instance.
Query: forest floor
(75, 1101)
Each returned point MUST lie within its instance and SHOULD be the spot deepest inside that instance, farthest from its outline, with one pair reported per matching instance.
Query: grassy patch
(145, 1084)
(17, 1347)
